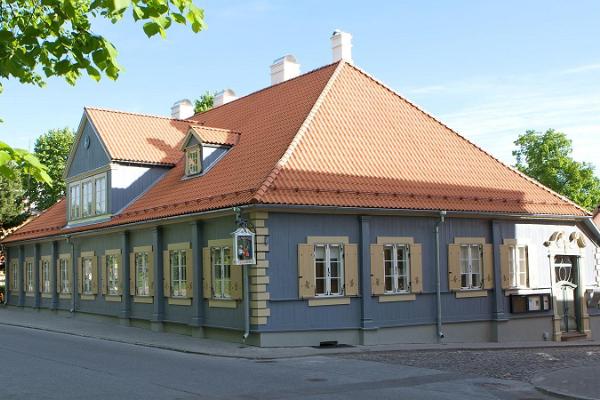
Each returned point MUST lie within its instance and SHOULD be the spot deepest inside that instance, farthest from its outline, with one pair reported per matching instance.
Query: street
(43, 365)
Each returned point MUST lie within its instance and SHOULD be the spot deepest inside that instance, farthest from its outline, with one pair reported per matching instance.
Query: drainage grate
(331, 344)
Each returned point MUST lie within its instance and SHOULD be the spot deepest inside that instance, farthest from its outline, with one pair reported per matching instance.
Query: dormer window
(87, 198)
(192, 161)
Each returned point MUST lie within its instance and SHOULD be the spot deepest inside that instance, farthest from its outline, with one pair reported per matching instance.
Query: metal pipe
(438, 278)
(246, 304)
(73, 273)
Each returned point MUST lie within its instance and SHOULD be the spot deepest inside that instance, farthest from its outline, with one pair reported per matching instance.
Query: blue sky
(490, 70)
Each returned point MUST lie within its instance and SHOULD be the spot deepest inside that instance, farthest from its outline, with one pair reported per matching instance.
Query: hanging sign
(243, 242)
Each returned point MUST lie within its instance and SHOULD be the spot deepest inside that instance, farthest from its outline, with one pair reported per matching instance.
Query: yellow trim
(222, 303)
(388, 298)
(511, 242)
(327, 239)
(64, 256)
(179, 246)
(142, 249)
(46, 295)
(395, 240)
(469, 240)
(180, 302)
(143, 299)
(471, 293)
(29, 294)
(46, 258)
(112, 252)
(220, 242)
(87, 254)
(112, 298)
(64, 296)
(334, 301)
(88, 297)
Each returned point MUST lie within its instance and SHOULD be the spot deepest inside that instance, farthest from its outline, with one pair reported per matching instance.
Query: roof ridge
(429, 115)
(138, 114)
(270, 178)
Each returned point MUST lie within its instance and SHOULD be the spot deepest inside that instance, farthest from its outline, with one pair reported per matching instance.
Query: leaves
(205, 102)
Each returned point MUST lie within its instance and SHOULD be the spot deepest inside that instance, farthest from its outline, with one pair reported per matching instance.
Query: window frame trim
(196, 148)
(395, 274)
(327, 266)
(469, 245)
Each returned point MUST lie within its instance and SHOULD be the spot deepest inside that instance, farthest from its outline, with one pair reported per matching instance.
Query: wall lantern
(243, 243)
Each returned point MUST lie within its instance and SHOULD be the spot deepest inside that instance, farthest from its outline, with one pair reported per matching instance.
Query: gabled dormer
(204, 146)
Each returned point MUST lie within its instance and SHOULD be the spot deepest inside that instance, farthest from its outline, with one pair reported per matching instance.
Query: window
(142, 279)
(192, 164)
(564, 269)
(470, 266)
(221, 269)
(178, 273)
(29, 276)
(75, 200)
(518, 266)
(14, 271)
(396, 268)
(112, 275)
(63, 276)
(100, 185)
(87, 199)
(45, 276)
(329, 279)
(87, 275)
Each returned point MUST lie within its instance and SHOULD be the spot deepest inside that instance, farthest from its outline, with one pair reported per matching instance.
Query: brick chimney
(341, 46)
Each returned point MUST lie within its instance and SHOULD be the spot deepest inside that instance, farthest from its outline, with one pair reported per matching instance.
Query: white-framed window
(112, 274)
(75, 201)
(221, 270)
(88, 198)
(142, 277)
(29, 280)
(471, 256)
(518, 266)
(87, 275)
(329, 269)
(100, 195)
(178, 273)
(192, 160)
(63, 276)
(396, 259)
(14, 274)
(45, 276)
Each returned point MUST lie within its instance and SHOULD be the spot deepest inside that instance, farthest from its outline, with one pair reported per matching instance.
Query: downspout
(73, 269)
(246, 304)
(438, 286)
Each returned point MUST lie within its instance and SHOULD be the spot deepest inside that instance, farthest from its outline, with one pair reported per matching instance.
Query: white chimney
(284, 68)
(224, 97)
(182, 109)
(341, 46)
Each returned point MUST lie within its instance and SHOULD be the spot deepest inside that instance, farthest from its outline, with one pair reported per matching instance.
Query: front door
(565, 274)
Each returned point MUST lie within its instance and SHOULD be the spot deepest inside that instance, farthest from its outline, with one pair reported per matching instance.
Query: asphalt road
(41, 365)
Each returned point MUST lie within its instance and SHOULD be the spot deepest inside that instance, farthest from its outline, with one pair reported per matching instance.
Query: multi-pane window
(518, 266)
(192, 161)
(178, 273)
(87, 275)
(329, 277)
(75, 201)
(221, 269)
(29, 276)
(112, 274)
(14, 271)
(396, 268)
(63, 275)
(88, 195)
(100, 185)
(45, 276)
(470, 266)
(142, 277)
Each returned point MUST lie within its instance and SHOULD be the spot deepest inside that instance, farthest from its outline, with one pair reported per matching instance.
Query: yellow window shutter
(104, 274)
(488, 266)
(189, 273)
(454, 267)
(79, 275)
(237, 282)
(69, 273)
(132, 291)
(120, 274)
(206, 273)
(504, 266)
(377, 270)
(58, 275)
(40, 277)
(151, 272)
(306, 271)
(95, 275)
(166, 274)
(416, 268)
(532, 277)
(351, 270)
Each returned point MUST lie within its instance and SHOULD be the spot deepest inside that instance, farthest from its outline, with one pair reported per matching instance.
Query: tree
(546, 157)
(52, 149)
(12, 206)
(205, 102)
(44, 38)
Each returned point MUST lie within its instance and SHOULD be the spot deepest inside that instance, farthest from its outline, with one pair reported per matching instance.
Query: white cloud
(582, 68)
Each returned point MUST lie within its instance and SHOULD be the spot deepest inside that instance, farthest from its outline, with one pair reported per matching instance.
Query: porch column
(125, 312)
(197, 298)
(158, 316)
(36, 276)
(21, 282)
(53, 276)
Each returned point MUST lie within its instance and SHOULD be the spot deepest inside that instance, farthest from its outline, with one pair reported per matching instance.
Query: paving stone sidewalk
(581, 383)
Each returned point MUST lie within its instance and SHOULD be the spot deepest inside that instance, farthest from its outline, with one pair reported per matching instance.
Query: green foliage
(13, 161)
(205, 102)
(12, 206)
(52, 149)
(546, 157)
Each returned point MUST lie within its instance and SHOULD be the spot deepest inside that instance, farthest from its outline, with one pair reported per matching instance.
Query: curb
(561, 395)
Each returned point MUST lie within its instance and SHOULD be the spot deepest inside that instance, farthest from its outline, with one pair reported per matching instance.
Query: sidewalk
(581, 383)
(80, 325)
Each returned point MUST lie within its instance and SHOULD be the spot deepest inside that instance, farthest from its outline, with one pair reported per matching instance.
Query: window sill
(222, 303)
(465, 294)
(328, 301)
(88, 297)
(113, 298)
(29, 294)
(180, 301)
(143, 299)
(46, 295)
(64, 296)
(388, 298)
(525, 291)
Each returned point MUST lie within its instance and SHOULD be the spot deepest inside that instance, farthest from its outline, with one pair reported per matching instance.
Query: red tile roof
(215, 135)
(331, 137)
